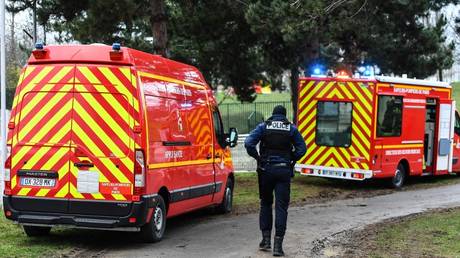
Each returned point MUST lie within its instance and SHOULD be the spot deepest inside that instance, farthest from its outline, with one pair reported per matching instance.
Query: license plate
(331, 173)
(41, 182)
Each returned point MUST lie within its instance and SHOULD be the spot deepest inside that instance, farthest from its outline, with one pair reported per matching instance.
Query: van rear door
(41, 138)
(102, 145)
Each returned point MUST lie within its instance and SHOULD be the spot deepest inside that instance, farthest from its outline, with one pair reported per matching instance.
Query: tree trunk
(158, 22)
(294, 91)
(440, 75)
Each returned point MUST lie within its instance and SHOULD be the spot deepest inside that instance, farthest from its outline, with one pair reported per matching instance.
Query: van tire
(154, 230)
(399, 178)
(227, 202)
(33, 231)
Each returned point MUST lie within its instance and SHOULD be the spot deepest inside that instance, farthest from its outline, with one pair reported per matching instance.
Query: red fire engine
(382, 127)
(113, 138)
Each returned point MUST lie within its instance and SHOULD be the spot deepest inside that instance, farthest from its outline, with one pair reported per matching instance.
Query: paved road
(238, 236)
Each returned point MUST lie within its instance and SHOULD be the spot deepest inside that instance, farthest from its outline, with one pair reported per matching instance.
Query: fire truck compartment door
(445, 136)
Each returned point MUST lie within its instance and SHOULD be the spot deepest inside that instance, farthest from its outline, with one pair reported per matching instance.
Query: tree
(295, 34)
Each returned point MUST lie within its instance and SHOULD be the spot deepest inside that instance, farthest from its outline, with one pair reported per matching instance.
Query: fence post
(228, 116)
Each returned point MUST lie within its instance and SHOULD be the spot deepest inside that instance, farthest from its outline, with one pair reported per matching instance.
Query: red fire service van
(113, 138)
(382, 127)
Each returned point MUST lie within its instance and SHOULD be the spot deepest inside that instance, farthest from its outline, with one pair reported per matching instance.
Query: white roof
(388, 79)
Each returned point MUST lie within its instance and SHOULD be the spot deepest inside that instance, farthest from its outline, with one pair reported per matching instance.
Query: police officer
(281, 145)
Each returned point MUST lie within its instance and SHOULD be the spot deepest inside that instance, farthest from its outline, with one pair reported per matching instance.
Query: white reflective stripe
(415, 107)
(300, 166)
(411, 142)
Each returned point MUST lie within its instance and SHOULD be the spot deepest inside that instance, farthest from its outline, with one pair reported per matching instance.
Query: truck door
(221, 152)
(41, 138)
(102, 145)
(445, 136)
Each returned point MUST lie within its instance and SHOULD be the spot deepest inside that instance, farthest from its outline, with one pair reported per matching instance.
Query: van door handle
(217, 156)
(84, 164)
(209, 156)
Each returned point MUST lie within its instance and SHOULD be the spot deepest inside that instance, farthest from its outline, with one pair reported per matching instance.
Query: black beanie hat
(279, 110)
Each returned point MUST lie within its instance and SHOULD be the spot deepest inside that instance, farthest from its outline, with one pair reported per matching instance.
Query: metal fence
(245, 116)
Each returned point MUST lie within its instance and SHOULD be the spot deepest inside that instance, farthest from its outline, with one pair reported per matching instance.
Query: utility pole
(2, 95)
(35, 21)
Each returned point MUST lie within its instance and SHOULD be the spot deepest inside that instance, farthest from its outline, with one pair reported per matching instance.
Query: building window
(333, 124)
(389, 116)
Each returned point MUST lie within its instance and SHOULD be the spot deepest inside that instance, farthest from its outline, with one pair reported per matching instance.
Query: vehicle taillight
(8, 171)
(139, 173)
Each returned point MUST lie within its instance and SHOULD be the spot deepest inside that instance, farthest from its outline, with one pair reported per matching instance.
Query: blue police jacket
(256, 135)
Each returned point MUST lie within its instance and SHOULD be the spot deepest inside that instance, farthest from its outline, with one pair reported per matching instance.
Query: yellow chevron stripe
(168, 79)
(315, 155)
(63, 191)
(180, 163)
(335, 92)
(308, 108)
(339, 158)
(36, 79)
(350, 96)
(311, 117)
(24, 191)
(325, 89)
(14, 181)
(120, 132)
(26, 108)
(119, 197)
(364, 139)
(107, 139)
(97, 196)
(325, 156)
(97, 152)
(51, 122)
(306, 88)
(115, 81)
(54, 159)
(74, 192)
(364, 127)
(363, 113)
(36, 157)
(42, 192)
(315, 89)
(347, 156)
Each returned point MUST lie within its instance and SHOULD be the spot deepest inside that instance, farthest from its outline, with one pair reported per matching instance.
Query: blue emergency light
(39, 45)
(116, 46)
(317, 70)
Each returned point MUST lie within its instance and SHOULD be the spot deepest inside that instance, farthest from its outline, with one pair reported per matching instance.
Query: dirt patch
(357, 243)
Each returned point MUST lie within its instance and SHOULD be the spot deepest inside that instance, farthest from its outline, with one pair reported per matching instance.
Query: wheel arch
(164, 192)
(406, 166)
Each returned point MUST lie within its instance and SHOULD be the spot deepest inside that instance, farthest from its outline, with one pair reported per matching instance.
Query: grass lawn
(434, 234)
(15, 243)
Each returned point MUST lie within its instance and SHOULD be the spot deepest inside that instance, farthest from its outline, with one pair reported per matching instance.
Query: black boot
(278, 246)
(265, 244)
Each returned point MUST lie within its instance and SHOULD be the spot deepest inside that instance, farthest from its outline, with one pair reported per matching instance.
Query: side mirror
(232, 139)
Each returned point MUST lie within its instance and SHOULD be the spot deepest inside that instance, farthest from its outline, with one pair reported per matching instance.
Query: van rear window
(333, 124)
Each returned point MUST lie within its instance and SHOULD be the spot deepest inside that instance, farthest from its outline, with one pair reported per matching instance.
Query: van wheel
(33, 231)
(399, 177)
(154, 230)
(227, 202)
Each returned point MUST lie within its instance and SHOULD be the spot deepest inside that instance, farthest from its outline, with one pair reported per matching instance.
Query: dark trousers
(276, 179)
